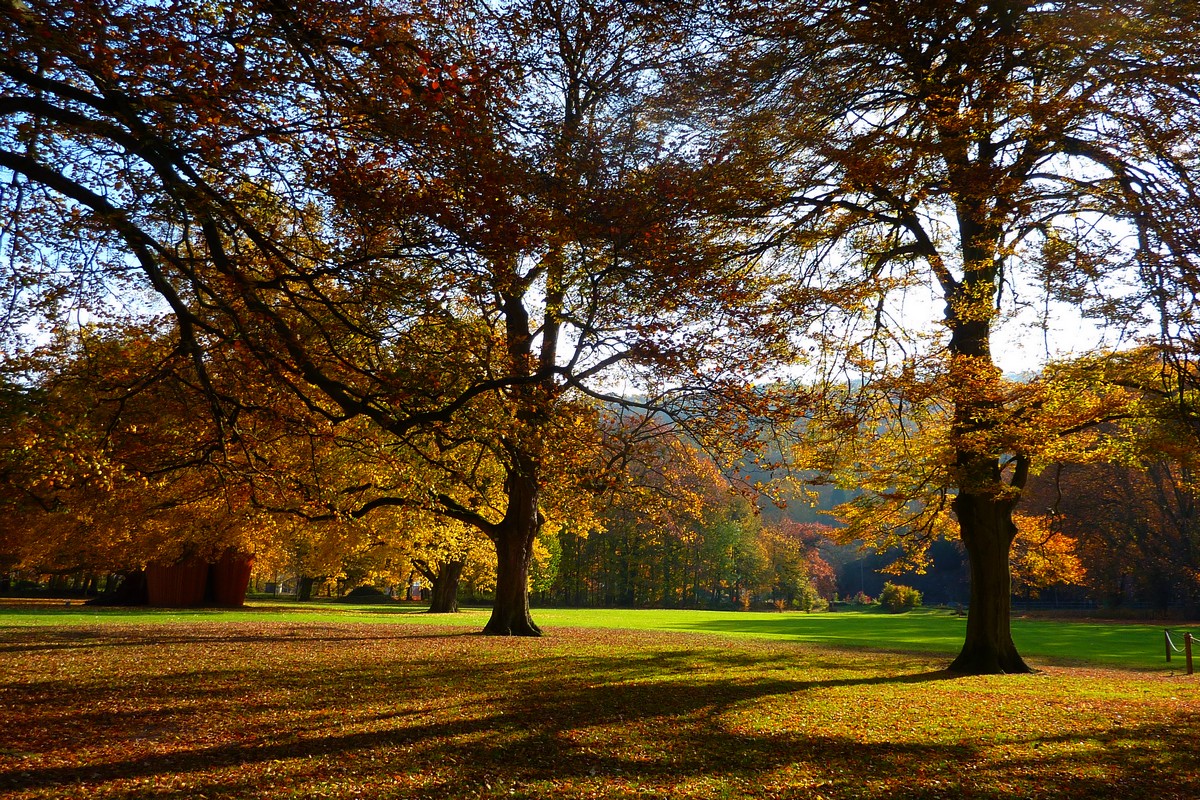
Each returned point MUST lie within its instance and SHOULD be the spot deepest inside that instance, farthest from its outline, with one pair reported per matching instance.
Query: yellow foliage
(1043, 557)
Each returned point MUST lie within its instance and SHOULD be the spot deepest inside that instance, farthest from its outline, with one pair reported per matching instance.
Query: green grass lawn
(324, 702)
(1135, 646)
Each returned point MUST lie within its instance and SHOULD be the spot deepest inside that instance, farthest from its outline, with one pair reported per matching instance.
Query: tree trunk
(304, 587)
(987, 532)
(444, 596)
(985, 500)
(514, 554)
(510, 612)
(131, 590)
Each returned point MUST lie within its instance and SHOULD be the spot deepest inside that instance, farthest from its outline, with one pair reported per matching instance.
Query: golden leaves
(1043, 556)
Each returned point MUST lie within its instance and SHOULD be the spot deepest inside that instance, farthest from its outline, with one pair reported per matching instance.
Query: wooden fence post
(1187, 651)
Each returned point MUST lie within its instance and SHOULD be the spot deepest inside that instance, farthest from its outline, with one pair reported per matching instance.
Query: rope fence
(1187, 648)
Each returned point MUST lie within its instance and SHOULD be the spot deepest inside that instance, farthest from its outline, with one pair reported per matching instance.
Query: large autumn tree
(452, 222)
(986, 153)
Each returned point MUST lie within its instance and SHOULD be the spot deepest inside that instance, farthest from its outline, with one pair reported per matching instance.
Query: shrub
(366, 594)
(860, 599)
(807, 599)
(896, 598)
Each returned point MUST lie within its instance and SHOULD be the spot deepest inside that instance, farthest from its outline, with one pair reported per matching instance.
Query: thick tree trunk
(987, 533)
(304, 587)
(510, 613)
(514, 554)
(444, 595)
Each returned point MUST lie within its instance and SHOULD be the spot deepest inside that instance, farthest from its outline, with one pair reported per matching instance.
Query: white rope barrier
(1188, 638)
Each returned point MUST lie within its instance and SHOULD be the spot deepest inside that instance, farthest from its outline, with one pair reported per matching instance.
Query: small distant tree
(801, 578)
(897, 597)
(440, 554)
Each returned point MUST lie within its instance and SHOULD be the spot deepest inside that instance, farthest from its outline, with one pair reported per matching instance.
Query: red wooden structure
(195, 582)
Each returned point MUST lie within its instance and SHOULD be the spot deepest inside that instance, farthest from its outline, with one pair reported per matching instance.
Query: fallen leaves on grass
(277, 710)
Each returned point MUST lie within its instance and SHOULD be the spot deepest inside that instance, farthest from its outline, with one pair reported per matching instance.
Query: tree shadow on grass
(530, 734)
(531, 708)
(1154, 761)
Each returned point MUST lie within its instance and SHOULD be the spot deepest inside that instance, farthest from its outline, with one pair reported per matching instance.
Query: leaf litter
(270, 710)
